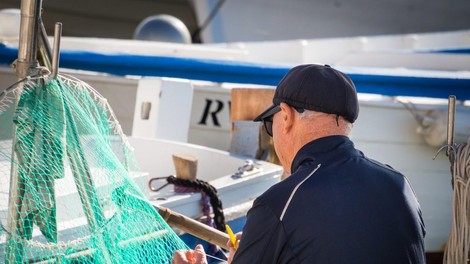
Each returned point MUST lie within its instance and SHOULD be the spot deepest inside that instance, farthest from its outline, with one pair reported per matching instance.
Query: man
(337, 206)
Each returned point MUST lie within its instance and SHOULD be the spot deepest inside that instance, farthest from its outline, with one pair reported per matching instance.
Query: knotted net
(69, 189)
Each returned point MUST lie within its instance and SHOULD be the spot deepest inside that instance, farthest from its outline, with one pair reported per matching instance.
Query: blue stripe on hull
(248, 73)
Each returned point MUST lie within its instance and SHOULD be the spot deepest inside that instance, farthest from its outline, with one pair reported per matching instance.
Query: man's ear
(288, 117)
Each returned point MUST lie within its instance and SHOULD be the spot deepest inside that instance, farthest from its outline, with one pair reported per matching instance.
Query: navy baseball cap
(318, 88)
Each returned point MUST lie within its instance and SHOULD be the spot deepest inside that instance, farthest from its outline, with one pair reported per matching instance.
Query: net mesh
(69, 184)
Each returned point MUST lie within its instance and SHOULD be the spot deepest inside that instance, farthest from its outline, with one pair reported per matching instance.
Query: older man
(337, 206)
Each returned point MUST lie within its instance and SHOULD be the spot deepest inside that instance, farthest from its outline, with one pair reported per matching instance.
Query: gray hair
(340, 122)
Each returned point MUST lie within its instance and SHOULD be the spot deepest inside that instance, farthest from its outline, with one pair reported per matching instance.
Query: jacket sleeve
(263, 239)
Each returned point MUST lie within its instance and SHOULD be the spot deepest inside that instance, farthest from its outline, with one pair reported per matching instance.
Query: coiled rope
(458, 245)
(208, 189)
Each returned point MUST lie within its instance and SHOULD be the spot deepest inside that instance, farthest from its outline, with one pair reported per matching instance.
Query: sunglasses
(268, 121)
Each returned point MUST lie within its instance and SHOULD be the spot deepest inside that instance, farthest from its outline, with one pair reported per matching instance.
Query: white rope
(458, 245)
(9, 94)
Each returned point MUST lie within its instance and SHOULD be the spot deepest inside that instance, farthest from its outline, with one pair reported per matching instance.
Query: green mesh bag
(67, 189)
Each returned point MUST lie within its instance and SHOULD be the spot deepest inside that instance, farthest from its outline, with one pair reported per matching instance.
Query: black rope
(201, 185)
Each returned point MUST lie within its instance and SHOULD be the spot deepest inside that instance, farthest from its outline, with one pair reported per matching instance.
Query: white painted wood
(167, 106)
(214, 166)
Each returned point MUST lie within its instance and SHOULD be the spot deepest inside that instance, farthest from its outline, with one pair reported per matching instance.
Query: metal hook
(157, 179)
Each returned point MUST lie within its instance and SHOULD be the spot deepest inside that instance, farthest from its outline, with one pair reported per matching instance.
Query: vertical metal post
(450, 125)
(26, 62)
(44, 52)
(451, 148)
(29, 30)
(56, 52)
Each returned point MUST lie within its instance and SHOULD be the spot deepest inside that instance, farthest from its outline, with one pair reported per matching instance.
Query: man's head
(313, 101)
(318, 88)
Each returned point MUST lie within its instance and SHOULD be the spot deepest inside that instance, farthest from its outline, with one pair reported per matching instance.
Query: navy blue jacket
(338, 206)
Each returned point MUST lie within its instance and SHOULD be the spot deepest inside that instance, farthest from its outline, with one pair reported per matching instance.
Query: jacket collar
(322, 149)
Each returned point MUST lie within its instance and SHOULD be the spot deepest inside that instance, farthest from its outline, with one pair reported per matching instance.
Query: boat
(403, 95)
(234, 21)
(233, 179)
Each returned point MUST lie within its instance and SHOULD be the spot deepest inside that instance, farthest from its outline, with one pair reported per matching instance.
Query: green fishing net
(69, 184)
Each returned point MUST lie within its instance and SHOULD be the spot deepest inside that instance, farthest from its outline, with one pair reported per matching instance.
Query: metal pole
(26, 62)
(56, 53)
(450, 125)
(450, 137)
(29, 30)
(44, 54)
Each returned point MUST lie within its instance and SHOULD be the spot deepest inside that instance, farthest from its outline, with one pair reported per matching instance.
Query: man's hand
(232, 247)
(196, 256)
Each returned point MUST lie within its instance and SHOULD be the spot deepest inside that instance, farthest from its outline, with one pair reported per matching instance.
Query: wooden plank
(185, 166)
(248, 103)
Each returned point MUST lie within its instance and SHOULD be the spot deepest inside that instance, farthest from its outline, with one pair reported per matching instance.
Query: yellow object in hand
(231, 235)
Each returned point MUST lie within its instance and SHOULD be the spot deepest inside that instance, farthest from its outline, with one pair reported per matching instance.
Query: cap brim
(266, 113)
